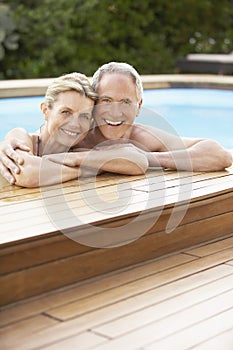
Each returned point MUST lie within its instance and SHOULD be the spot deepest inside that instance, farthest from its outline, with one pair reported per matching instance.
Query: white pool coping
(37, 87)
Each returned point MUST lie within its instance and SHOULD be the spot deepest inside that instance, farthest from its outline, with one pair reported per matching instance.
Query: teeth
(70, 133)
(110, 122)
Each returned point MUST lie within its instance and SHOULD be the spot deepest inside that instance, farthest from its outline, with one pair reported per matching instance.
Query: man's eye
(127, 102)
(65, 112)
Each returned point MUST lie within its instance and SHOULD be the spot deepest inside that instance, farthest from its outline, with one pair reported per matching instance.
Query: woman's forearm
(36, 172)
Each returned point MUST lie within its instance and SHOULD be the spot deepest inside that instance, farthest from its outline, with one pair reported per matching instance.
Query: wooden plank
(16, 332)
(75, 309)
(155, 311)
(208, 249)
(161, 292)
(58, 273)
(121, 277)
(48, 227)
(78, 204)
(192, 336)
(66, 271)
(83, 341)
(38, 252)
(223, 340)
(162, 328)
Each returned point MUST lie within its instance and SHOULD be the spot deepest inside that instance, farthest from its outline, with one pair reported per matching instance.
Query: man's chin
(112, 133)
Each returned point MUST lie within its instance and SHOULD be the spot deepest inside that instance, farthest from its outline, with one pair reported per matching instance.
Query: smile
(112, 123)
(70, 133)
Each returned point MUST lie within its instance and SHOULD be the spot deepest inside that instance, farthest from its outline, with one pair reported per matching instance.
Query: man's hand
(10, 160)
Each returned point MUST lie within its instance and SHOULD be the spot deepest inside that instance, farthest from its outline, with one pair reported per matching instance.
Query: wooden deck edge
(32, 268)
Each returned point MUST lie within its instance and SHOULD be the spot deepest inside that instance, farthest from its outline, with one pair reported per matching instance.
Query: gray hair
(122, 68)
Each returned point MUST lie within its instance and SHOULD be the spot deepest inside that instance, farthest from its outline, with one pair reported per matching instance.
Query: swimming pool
(189, 112)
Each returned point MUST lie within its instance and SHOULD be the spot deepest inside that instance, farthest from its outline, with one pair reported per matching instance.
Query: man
(120, 99)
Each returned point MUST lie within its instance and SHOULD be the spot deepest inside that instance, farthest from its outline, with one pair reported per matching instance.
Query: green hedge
(58, 36)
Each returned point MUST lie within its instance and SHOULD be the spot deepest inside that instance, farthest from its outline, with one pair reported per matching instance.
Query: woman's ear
(139, 107)
(44, 109)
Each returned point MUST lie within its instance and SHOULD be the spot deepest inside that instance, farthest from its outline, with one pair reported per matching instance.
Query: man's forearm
(207, 155)
(125, 160)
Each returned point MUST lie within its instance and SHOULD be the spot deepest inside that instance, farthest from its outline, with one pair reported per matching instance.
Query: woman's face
(69, 119)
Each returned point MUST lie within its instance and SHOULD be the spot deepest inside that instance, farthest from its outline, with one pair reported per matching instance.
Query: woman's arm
(39, 171)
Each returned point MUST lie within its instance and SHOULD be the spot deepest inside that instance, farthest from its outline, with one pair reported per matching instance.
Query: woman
(67, 111)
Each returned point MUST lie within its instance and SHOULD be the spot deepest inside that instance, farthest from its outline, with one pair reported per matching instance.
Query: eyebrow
(110, 98)
(105, 96)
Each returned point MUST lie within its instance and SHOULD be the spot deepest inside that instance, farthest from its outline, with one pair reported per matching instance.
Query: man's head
(119, 90)
(121, 68)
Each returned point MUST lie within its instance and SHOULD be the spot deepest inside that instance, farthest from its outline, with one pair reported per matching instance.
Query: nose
(116, 109)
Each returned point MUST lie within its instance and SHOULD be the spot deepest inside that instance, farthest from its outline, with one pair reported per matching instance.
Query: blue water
(187, 112)
(20, 112)
(204, 113)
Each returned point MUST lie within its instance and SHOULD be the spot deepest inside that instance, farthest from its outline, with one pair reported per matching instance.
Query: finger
(9, 164)
(22, 146)
(12, 154)
(7, 174)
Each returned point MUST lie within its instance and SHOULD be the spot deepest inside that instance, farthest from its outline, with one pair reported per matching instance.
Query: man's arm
(10, 160)
(174, 152)
(120, 158)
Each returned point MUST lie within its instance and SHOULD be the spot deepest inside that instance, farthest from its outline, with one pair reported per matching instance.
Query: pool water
(20, 112)
(204, 113)
(188, 112)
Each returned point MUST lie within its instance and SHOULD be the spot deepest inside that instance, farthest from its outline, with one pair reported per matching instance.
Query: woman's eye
(105, 100)
(85, 116)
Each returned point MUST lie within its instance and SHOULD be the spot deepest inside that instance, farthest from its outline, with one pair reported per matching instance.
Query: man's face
(117, 106)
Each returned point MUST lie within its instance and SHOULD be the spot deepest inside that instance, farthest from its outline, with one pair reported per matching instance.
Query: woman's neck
(47, 145)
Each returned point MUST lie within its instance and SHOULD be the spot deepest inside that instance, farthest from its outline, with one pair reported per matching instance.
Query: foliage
(58, 36)
(8, 37)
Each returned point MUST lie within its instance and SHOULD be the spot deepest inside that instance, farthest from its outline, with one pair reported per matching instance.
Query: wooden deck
(184, 301)
(148, 291)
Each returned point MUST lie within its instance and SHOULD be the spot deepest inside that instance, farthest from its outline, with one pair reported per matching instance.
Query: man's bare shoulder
(149, 137)
(140, 131)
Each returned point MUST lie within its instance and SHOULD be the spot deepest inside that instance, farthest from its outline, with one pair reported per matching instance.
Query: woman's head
(67, 109)
(73, 81)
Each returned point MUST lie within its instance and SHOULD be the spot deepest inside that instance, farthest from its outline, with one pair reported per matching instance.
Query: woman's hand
(10, 160)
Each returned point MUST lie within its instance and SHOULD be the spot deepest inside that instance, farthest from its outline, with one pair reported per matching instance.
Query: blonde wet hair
(69, 82)
(121, 68)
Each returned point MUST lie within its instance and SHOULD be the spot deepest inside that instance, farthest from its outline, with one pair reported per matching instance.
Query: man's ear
(44, 109)
(139, 106)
